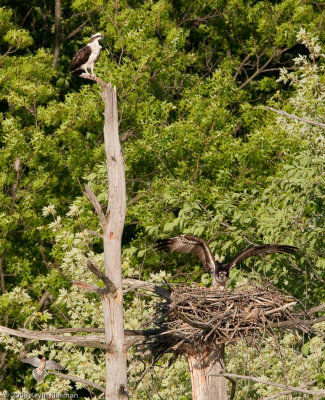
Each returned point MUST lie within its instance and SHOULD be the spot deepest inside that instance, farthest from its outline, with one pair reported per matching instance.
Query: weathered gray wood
(206, 368)
(97, 341)
(116, 376)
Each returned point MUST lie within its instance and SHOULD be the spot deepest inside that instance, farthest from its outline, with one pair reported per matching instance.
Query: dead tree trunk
(116, 376)
(205, 369)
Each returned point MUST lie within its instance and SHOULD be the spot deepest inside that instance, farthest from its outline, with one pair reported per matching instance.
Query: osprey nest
(197, 316)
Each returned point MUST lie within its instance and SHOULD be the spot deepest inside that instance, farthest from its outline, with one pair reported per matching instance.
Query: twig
(262, 68)
(280, 308)
(241, 65)
(79, 28)
(76, 379)
(258, 71)
(274, 396)
(288, 387)
(92, 288)
(94, 233)
(297, 322)
(199, 19)
(313, 310)
(94, 201)
(134, 284)
(108, 283)
(308, 121)
(233, 387)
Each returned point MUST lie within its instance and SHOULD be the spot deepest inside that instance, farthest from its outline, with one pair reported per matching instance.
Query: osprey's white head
(96, 36)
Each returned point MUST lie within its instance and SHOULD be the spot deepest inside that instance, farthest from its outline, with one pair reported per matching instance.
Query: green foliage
(10, 34)
(298, 364)
(19, 38)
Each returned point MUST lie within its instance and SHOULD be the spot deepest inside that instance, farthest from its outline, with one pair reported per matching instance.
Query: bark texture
(205, 369)
(116, 376)
(57, 31)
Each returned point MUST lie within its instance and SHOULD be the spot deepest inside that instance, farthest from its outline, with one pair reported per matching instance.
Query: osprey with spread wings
(219, 272)
(39, 373)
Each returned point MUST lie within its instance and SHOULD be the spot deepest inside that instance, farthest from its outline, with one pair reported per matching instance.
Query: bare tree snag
(112, 224)
(116, 376)
(206, 369)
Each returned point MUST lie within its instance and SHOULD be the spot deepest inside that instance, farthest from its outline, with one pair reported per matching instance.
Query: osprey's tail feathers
(39, 375)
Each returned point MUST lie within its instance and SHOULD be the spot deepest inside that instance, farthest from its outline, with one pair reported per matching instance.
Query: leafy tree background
(203, 156)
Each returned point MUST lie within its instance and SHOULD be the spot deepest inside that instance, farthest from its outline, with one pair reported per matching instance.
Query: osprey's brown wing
(50, 364)
(80, 58)
(34, 361)
(261, 251)
(189, 244)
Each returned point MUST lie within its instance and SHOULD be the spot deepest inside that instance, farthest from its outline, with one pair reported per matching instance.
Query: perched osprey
(39, 373)
(219, 272)
(87, 56)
